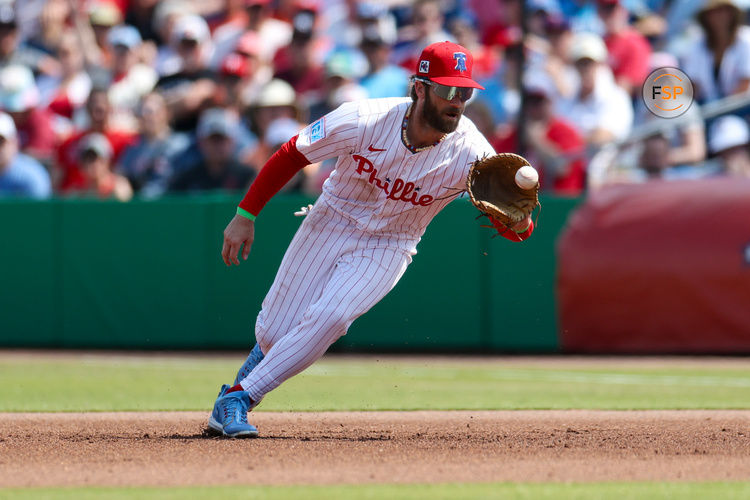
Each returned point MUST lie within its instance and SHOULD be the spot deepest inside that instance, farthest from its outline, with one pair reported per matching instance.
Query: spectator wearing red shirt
(629, 51)
(95, 157)
(555, 147)
(71, 173)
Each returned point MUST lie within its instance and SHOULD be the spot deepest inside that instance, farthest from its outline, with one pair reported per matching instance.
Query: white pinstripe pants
(331, 274)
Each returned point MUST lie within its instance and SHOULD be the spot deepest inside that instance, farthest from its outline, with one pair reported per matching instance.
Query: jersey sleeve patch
(317, 130)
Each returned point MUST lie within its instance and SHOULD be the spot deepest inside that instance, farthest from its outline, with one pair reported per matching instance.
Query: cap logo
(460, 58)
(424, 66)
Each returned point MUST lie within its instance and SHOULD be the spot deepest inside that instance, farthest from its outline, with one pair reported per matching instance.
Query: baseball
(527, 177)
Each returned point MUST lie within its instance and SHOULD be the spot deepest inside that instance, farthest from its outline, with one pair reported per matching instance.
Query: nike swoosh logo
(373, 149)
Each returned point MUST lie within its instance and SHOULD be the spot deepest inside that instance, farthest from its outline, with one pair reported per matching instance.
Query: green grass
(125, 383)
(506, 491)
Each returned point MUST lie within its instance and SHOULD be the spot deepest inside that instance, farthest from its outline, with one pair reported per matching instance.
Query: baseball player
(400, 161)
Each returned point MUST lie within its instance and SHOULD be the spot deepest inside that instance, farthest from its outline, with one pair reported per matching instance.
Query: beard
(434, 119)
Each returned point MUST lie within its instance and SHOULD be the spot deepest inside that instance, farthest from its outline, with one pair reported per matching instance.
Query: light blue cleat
(255, 357)
(230, 414)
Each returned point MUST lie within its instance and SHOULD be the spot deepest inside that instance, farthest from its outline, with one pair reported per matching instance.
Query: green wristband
(245, 213)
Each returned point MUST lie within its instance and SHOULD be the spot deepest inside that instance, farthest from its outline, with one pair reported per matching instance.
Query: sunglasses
(448, 93)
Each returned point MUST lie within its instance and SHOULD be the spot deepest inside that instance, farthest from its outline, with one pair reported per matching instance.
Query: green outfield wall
(149, 275)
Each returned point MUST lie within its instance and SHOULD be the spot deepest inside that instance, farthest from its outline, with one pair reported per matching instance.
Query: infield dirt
(112, 449)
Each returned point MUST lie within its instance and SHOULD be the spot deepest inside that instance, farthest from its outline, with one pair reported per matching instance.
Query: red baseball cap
(234, 65)
(447, 63)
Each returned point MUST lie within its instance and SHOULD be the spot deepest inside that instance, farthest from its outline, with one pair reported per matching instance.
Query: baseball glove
(492, 187)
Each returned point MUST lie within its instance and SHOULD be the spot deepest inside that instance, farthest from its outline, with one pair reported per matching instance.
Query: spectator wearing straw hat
(717, 61)
(277, 99)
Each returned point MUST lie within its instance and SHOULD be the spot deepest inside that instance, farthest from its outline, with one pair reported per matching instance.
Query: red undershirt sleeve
(274, 175)
(509, 234)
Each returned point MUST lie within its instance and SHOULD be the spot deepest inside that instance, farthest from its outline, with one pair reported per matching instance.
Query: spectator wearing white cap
(165, 18)
(600, 108)
(217, 165)
(19, 97)
(728, 141)
(129, 80)
(20, 175)
(192, 88)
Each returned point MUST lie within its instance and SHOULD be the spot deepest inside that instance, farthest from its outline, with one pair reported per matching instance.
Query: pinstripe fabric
(366, 138)
(327, 279)
(358, 239)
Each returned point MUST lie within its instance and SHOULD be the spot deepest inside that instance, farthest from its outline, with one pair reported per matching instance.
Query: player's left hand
(239, 233)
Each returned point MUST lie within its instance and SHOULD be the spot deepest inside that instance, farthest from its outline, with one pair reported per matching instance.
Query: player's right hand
(239, 233)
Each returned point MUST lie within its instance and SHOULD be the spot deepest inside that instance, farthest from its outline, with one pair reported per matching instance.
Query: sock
(236, 388)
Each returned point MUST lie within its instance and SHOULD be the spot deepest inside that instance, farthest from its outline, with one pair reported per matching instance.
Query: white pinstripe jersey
(378, 183)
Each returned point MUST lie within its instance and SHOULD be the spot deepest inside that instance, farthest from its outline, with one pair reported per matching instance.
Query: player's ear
(419, 88)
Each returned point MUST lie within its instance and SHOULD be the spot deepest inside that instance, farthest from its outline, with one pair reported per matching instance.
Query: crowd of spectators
(123, 98)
